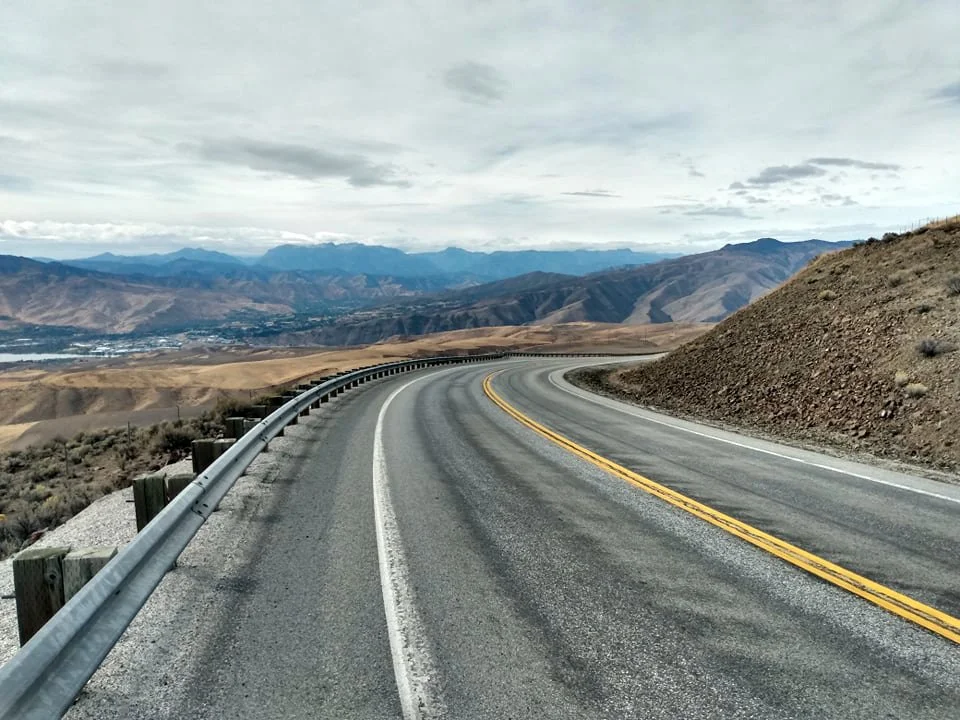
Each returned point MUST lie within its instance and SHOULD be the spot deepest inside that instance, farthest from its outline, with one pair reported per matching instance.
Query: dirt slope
(832, 356)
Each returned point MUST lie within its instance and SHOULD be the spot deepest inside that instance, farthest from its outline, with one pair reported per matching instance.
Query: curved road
(426, 555)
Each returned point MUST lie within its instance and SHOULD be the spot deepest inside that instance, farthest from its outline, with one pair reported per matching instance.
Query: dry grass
(946, 224)
(45, 485)
(199, 379)
(916, 390)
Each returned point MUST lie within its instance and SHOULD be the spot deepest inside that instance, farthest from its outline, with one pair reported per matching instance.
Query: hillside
(54, 294)
(57, 295)
(40, 404)
(857, 350)
(696, 288)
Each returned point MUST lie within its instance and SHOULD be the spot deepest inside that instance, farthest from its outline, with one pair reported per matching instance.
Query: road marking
(412, 665)
(906, 607)
(646, 418)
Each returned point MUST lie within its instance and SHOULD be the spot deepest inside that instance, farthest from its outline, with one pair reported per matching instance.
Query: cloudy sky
(141, 126)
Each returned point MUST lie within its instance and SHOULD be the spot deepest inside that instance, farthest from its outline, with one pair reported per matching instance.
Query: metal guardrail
(43, 679)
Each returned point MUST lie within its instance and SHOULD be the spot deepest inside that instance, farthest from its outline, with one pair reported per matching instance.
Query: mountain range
(706, 287)
(454, 264)
(356, 303)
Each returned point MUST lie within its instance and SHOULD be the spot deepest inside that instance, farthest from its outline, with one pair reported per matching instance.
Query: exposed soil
(858, 351)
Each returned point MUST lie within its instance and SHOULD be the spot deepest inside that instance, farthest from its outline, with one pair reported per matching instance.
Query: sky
(131, 126)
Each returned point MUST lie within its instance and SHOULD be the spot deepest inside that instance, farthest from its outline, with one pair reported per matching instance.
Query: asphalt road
(428, 556)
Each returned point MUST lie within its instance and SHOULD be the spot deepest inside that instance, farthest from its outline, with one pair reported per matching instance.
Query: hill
(39, 404)
(696, 288)
(57, 295)
(857, 350)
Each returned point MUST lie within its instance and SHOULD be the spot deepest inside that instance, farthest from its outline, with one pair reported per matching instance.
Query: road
(426, 555)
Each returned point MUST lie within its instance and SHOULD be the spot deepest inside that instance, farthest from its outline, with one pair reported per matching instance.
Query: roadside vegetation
(45, 485)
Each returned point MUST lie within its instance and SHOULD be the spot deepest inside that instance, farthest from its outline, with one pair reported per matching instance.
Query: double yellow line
(907, 608)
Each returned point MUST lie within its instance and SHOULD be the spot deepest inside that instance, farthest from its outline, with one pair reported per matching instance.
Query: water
(37, 357)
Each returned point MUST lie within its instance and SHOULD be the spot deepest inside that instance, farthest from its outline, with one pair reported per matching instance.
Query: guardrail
(43, 679)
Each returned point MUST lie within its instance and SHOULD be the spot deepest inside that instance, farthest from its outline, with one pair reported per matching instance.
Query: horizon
(419, 130)
(666, 255)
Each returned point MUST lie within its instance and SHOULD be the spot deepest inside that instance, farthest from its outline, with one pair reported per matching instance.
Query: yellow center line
(916, 612)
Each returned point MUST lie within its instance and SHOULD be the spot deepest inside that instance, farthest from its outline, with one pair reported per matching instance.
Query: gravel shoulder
(139, 679)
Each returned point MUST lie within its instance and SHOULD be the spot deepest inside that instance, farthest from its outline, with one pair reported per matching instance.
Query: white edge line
(616, 405)
(412, 665)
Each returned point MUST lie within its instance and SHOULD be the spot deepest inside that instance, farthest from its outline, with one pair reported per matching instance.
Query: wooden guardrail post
(38, 587)
(150, 496)
(177, 483)
(234, 427)
(221, 446)
(80, 565)
(203, 455)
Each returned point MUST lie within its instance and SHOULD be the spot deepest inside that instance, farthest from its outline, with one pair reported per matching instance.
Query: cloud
(299, 161)
(722, 212)
(848, 162)
(834, 199)
(15, 183)
(949, 92)
(598, 192)
(476, 83)
(786, 173)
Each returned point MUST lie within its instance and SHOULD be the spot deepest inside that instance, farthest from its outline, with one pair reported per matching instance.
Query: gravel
(139, 677)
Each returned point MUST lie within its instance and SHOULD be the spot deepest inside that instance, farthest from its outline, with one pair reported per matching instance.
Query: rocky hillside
(857, 350)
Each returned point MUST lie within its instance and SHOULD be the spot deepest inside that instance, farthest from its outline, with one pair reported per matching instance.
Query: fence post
(38, 586)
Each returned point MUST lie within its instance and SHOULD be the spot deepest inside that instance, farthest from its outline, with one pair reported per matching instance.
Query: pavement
(423, 554)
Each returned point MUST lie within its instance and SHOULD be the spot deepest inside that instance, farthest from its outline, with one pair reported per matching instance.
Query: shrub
(175, 440)
(916, 390)
(931, 347)
(901, 378)
(953, 285)
(230, 407)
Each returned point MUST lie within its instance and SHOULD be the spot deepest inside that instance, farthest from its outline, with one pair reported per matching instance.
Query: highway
(427, 555)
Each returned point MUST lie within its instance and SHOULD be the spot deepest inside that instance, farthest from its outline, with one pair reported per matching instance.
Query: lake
(37, 357)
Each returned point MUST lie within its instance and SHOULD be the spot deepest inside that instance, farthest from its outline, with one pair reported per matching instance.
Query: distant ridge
(706, 287)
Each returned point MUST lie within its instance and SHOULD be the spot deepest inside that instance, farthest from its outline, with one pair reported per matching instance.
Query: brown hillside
(834, 355)
(37, 404)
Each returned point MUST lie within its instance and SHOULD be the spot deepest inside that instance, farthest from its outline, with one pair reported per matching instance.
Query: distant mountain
(195, 260)
(504, 264)
(454, 266)
(349, 258)
(57, 294)
(696, 288)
